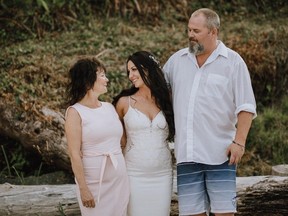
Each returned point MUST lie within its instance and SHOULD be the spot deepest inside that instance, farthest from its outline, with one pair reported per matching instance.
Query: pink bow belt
(106, 155)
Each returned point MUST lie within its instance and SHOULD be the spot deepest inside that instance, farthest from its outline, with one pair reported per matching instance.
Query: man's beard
(195, 48)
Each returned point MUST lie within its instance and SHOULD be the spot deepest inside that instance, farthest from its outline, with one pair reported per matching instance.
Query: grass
(6, 160)
(11, 164)
(20, 176)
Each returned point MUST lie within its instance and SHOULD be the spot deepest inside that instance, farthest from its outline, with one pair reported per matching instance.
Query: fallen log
(262, 195)
(257, 195)
(280, 170)
(40, 130)
(41, 200)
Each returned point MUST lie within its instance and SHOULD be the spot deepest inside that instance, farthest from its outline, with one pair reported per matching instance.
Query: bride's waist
(149, 166)
(147, 145)
(139, 171)
(147, 139)
(148, 158)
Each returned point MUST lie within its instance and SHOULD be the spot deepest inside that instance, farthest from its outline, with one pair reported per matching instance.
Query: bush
(268, 136)
(265, 52)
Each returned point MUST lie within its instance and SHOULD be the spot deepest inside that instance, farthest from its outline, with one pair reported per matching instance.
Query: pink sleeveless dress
(104, 165)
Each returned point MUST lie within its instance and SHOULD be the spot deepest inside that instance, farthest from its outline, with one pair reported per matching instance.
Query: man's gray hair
(213, 20)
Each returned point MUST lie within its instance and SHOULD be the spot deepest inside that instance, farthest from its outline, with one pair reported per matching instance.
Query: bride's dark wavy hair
(82, 76)
(153, 76)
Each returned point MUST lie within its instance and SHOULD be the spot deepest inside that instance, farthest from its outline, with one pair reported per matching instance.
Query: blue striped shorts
(206, 188)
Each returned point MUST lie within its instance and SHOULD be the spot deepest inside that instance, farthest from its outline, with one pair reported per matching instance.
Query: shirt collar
(221, 49)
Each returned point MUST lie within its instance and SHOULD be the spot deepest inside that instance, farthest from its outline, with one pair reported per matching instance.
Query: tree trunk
(38, 129)
(257, 195)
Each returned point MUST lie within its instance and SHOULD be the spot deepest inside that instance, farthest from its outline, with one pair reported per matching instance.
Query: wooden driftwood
(44, 200)
(37, 129)
(280, 170)
(257, 195)
(262, 196)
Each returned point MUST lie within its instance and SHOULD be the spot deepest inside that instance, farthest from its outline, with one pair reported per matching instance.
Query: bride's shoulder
(122, 105)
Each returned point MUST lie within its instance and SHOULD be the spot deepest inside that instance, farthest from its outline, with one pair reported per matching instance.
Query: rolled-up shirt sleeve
(243, 91)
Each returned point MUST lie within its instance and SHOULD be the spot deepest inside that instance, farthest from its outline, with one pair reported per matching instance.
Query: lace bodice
(147, 149)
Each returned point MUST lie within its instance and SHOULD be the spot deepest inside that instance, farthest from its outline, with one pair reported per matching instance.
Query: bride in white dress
(146, 112)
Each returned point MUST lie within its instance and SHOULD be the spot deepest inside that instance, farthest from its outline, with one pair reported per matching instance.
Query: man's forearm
(243, 127)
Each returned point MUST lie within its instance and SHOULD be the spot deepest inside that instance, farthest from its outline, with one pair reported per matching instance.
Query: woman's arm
(121, 109)
(74, 136)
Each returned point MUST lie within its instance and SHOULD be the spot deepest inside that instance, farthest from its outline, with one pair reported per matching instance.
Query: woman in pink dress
(93, 132)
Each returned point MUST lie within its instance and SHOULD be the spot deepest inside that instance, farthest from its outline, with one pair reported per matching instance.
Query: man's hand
(235, 153)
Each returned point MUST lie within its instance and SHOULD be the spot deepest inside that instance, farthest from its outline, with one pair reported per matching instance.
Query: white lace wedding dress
(149, 166)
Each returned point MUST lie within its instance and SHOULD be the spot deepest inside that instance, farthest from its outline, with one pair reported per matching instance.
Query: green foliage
(61, 210)
(17, 161)
(264, 49)
(20, 176)
(21, 20)
(268, 136)
(242, 7)
(6, 160)
(17, 158)
(117, 81)
(14, 160)
(271, 8)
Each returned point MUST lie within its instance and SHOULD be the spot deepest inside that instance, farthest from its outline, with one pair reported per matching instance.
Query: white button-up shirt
(206, 102)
